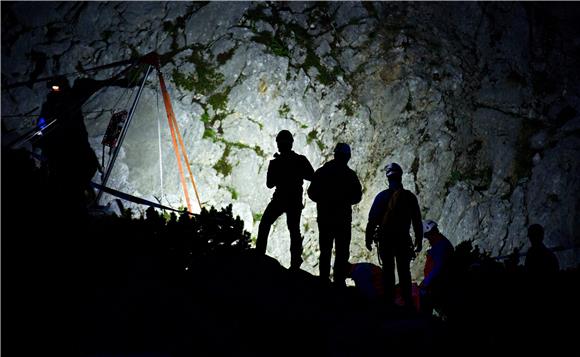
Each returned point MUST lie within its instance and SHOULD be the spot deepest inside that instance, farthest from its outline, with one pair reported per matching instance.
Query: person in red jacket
(437, 258)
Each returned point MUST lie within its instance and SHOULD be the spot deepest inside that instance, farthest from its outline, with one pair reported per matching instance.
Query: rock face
(478, 102)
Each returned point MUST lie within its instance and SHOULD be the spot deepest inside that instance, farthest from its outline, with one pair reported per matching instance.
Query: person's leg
(425, 302)
(388, 262)
(404, 272)
(293, 221)
(343, 236)
(325, 244)
(271, 214)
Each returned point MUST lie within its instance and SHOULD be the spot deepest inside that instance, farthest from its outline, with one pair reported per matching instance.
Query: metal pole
(46, 79)
(122, 136)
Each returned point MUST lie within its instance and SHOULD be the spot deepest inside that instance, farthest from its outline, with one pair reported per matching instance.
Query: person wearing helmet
(437, 259)
(286, 172)
(68, 156)
(393, 212)
(335, 188)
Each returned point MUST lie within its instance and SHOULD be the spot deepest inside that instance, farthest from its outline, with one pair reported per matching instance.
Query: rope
(187, 162)
(171, 120)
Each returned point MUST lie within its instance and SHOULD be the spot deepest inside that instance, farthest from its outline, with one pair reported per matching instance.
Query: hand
(369, 246)
(418, 248)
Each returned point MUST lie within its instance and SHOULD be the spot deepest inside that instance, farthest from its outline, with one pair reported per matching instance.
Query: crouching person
(432, 287)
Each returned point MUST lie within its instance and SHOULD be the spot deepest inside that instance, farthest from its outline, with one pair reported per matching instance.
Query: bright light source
(55, 88)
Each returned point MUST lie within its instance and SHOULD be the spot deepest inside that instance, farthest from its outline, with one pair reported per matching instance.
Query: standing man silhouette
(335, 188)
(540, 260)
(286, 173)
(390, 218)
(70, 161)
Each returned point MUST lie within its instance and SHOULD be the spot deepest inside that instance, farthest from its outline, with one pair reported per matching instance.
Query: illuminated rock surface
(477, 102)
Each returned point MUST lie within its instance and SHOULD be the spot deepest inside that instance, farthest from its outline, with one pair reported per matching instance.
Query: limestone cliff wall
(478, 102)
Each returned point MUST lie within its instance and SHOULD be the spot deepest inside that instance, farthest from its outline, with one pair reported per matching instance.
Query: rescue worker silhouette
(539, 259)
(391, 215)
(286, 173)
(335, 188)
(438, 257)
(70, 161)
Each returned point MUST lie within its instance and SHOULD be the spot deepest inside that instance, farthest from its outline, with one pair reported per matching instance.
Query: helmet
(428, 226)
(342, 148)
(284, 136)
(393, 169)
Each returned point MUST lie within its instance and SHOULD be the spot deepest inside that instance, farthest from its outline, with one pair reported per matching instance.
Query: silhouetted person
(389, 221)
(286, 173)
(437, 262)
(540, 260)
(70, 160)
(335, 188)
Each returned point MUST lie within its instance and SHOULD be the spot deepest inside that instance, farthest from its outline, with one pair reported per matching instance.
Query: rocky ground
(478, 102)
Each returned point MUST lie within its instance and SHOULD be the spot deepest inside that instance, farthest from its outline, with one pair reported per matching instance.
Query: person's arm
(373, 220)
(84, 88)
(417, 224)
(308, 172)
(272, 175)
(437, 262)
(314, 188)
(356, 190)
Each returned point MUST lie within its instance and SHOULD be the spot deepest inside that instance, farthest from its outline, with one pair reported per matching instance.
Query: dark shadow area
(183, 286)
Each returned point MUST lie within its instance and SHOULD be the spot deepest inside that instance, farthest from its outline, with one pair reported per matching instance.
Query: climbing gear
(131, 198)
(152, 60)
(120, 122)
(159, 148)
(393, 200)
(117, 148)
(176, 133)
(114, 129)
